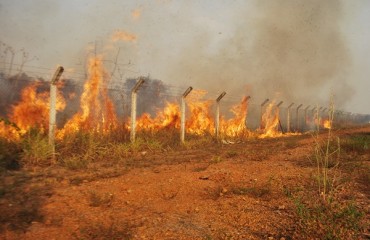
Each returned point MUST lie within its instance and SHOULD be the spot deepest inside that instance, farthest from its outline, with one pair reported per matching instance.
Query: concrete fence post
(52, 111)
(133, 108)
(278, 109)
(246, 112)
(183, 109)
(217, 120)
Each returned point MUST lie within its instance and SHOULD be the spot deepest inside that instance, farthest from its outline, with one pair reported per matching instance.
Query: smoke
(299, 49)
(288, 49)
(293, 50)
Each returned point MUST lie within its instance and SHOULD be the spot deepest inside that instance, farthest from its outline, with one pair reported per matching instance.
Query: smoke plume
(292, 50)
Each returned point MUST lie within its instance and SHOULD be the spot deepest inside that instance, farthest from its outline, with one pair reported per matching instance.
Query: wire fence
(154, 94)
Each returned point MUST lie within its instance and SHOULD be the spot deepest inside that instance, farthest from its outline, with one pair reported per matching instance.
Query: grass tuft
(36, 150)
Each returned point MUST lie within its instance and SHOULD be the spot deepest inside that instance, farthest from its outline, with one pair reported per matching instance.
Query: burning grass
(97, 113)
(97, 116)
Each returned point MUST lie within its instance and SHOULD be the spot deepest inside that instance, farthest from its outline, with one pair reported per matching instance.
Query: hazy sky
(295, 50)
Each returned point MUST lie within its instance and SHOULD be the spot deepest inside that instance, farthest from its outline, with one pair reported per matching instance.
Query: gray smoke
(292, 50)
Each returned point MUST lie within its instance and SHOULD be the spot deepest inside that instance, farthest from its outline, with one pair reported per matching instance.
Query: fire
(200, 120)
(237, 125)
(146, 123)
(33, 109)
(327, 124)
(169, 118)
(97, 113)
(123, 36)
(96, 110)
(136, 13)
(270, 121)
(9, 131)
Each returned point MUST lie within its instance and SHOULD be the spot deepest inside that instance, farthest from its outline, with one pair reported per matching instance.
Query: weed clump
(36, 150)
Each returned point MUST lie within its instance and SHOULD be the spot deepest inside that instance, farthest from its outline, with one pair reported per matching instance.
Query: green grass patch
(359, 144)
(330, 220)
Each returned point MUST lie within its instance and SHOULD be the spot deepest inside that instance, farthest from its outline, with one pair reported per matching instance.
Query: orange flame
(97, 110)
(200, 120)
(237, 125)
(136, 13)
(327, 124)
(198, 123)
(33, 109)
(270, 121)
(169, 118)
(9, 132)
(120, 35)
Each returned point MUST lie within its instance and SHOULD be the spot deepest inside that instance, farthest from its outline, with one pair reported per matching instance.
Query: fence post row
(133, 109)
(52, 112)
(182, 118)
(316, 112)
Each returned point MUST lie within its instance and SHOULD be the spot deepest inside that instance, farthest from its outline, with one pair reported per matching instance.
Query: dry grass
(89, 157)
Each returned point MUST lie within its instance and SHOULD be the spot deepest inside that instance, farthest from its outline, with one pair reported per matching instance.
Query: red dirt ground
(216, 191)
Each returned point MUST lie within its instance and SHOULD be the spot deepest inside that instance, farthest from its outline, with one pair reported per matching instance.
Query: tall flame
(236, 126)
(200, 120)
(32, 111)
(96, 110)
(270, 121)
